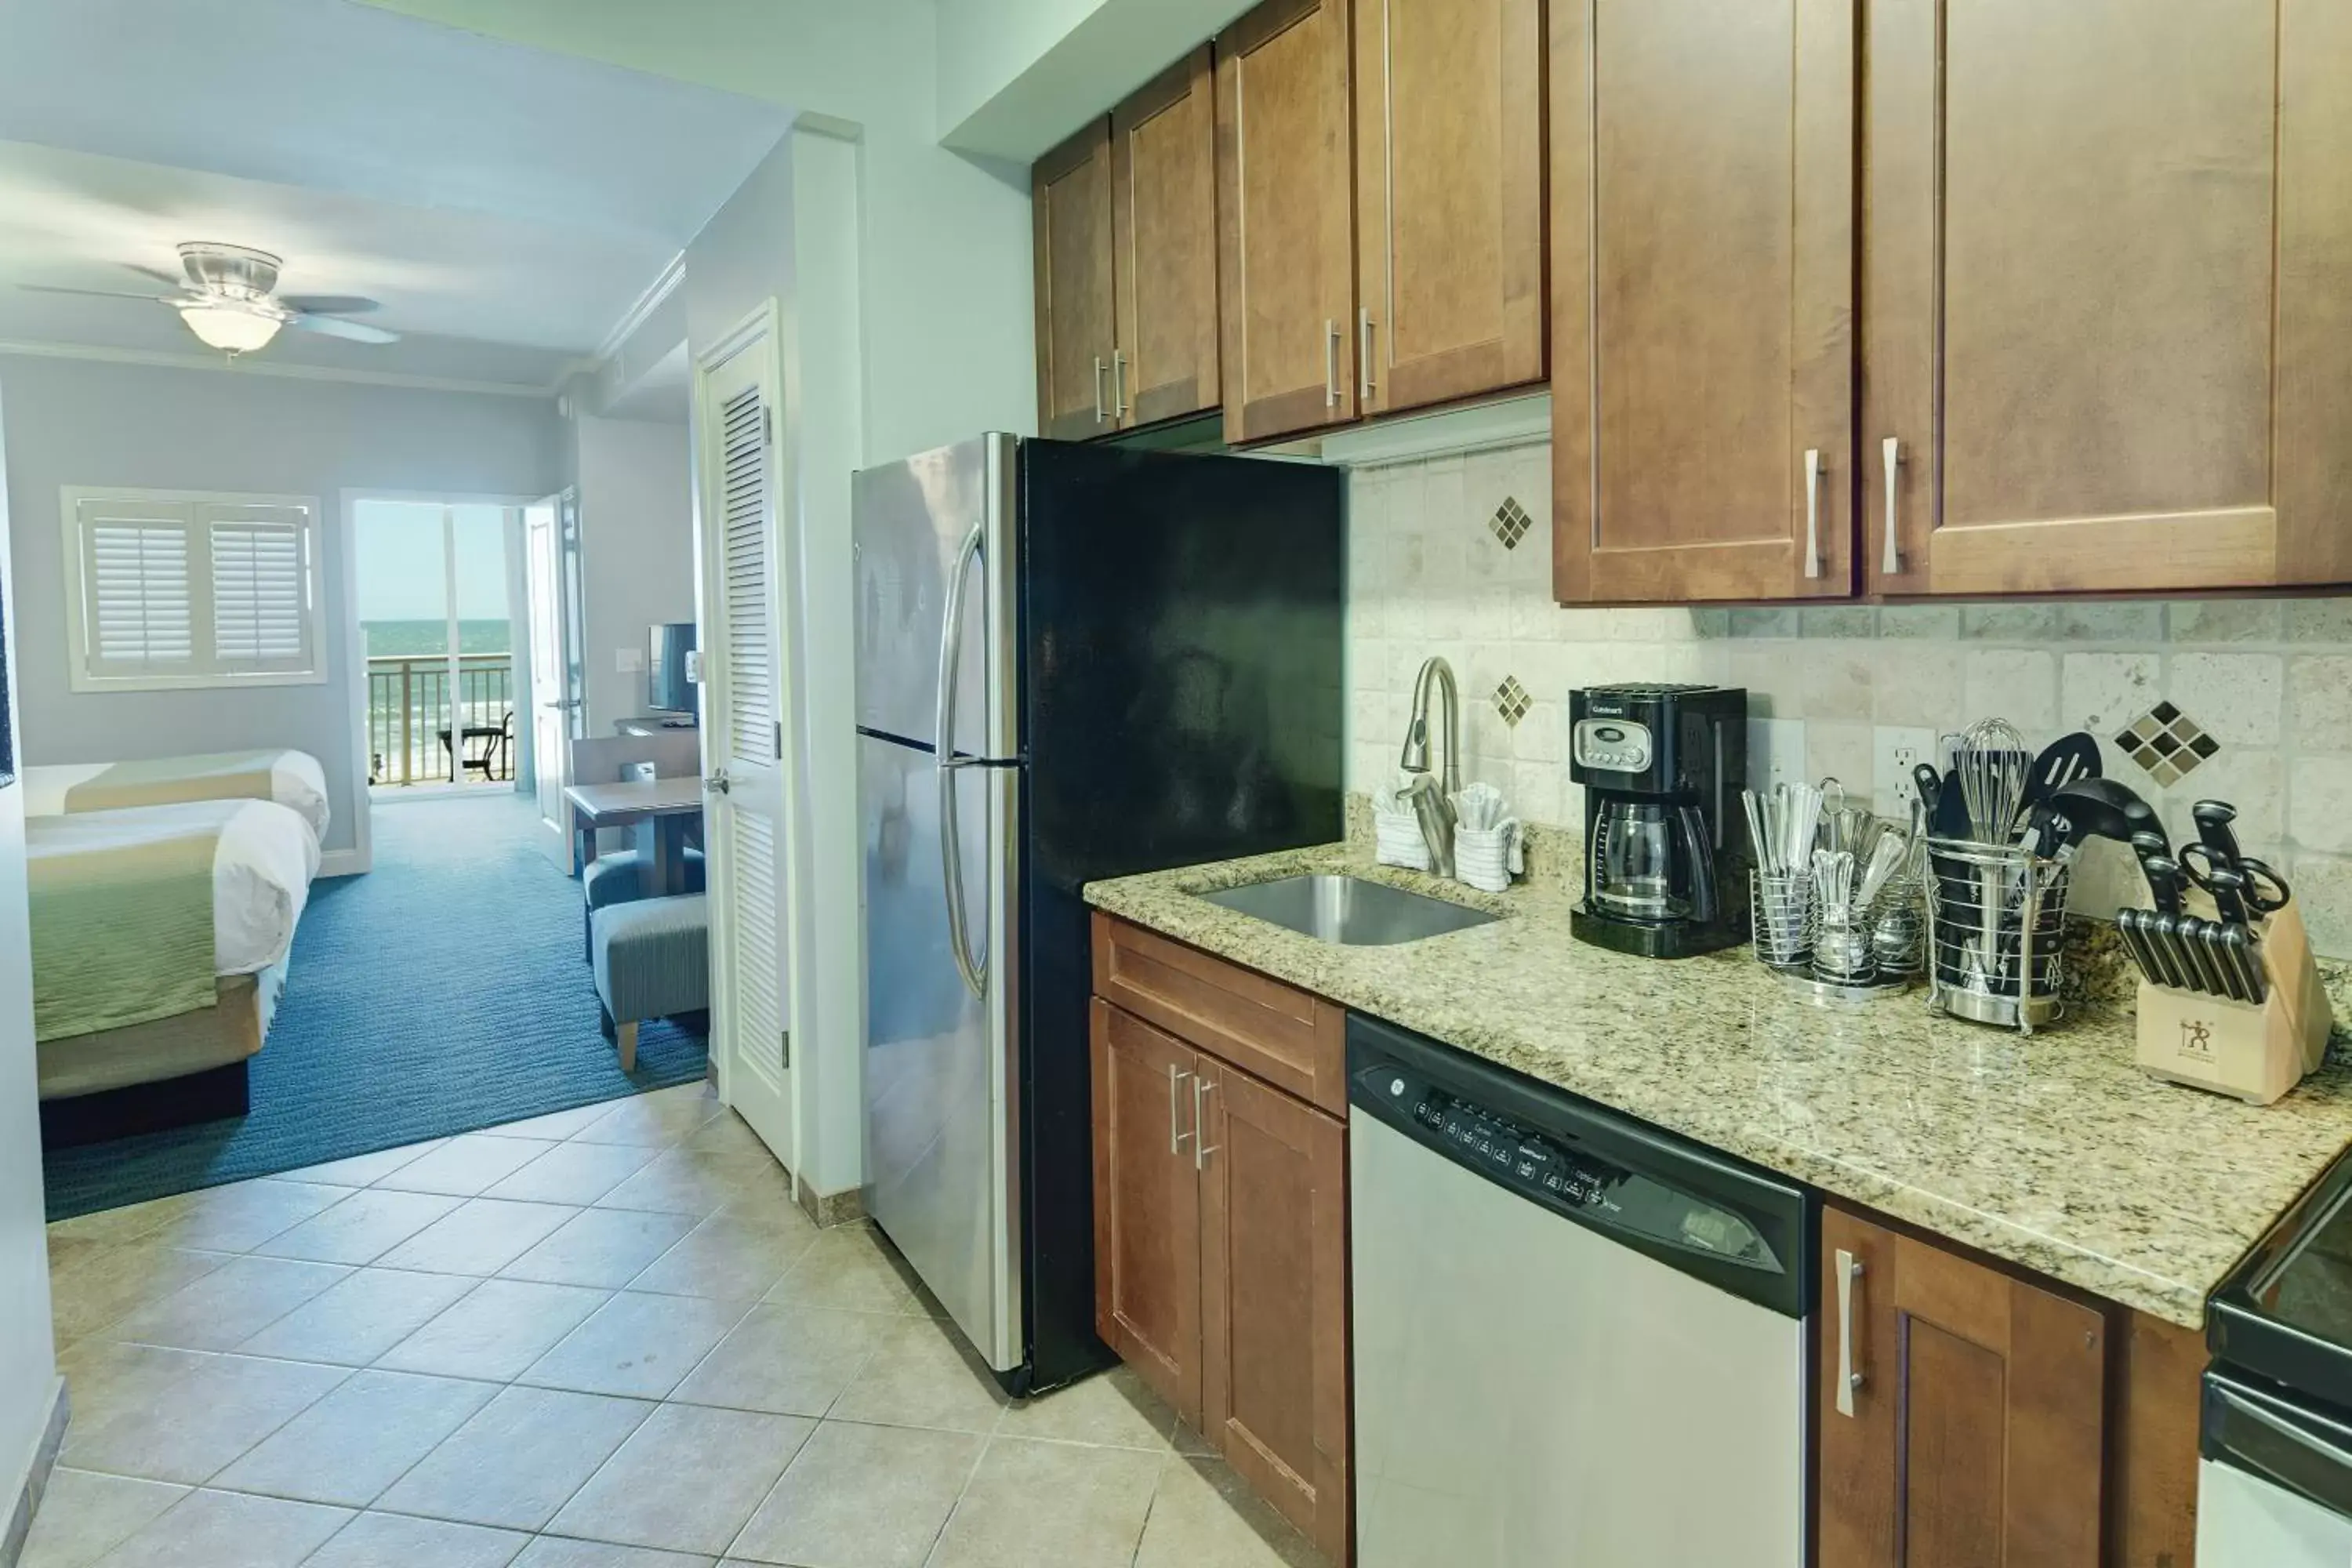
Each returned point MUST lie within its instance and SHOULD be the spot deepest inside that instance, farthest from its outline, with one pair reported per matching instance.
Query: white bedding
(296, 782)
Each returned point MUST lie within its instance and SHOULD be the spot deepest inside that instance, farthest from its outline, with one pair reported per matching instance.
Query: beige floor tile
(64, 1249)
(1031, 1503)
(359, 1229)
(480, 1237)
(685, 1181)
(519, 1460)
(604, 1248)
(787, 1361)
(1190, 1444)
(132, 1222)
(1204, 1517)
(85, 1515)
(359, 1439)
(862, 1497)
(850, 1269)
(656, 1120)
(637, 1345)
(106, 1377)
(202, 1421)
(558, 1124)
(920, 1375)
(230, 1304)
(241, 1216)
(553, 1551)
(574, 1173)
(229, 1529)
(397, 1540)
(685, 1481)
(100, 1284)
(1110, 1409)
(359, 1318)
(494, 1332)
(361, 1169)
(726, 1134)
(731, 1258)
(468, 1166)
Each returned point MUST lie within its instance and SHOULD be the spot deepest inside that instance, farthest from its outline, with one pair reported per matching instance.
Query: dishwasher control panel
(1556, 1173)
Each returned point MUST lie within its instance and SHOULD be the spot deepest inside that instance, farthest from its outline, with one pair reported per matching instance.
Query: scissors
(2263, 890)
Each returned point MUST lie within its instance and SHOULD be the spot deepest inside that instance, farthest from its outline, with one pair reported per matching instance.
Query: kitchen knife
(2162, 871)
(2247, 953)
(2129, 926)
(2156, 935)
(2213, 818)
(2197, 936)
(2228, 887)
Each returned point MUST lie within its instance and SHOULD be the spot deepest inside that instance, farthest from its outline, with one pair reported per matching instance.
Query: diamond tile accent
(1512, 701)
(1510, 522)
(2167, 743)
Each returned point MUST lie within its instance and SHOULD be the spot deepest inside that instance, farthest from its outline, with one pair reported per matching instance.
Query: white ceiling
(508, 206)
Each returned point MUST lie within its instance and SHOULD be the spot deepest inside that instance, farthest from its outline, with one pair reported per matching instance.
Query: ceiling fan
(228, 300)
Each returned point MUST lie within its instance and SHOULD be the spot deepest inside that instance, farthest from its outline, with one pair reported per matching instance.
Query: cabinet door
(1070, 200)
(1286, 219)
(1702, 170)
(1274, 1267)
(1976, 1433)
(1147, 1205)
(2108, 293)
(1449, 199)
(1164, 208)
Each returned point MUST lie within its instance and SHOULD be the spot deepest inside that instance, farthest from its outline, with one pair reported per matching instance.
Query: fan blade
(168, 280)
(95, 293)
(336, 327)
(329, 304)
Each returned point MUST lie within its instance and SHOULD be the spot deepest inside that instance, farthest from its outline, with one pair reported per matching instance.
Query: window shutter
(260, 590)
(141, 603)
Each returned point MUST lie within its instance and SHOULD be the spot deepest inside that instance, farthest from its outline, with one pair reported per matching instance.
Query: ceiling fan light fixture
(230, 328)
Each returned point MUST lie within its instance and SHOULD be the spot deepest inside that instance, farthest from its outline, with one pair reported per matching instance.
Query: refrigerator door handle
(974, 969)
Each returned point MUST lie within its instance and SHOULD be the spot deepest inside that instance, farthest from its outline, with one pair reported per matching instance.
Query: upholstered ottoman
(652, 958)
(618, 877)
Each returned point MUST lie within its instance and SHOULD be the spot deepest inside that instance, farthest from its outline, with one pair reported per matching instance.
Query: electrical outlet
(1897, 753)
(1776, 753)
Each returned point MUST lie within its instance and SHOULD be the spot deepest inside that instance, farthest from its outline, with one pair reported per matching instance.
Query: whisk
(1992, 762)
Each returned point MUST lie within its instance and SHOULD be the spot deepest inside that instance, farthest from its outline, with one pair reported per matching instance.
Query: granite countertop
(2054, 1151)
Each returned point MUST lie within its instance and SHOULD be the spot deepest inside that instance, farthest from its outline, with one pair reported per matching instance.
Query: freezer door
(943, 1106)
(935, 536)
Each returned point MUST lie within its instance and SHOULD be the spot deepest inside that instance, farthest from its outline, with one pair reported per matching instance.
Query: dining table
(665, 811)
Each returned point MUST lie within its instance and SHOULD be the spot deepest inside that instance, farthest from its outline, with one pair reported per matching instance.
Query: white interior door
(745, 676)
(552, 709)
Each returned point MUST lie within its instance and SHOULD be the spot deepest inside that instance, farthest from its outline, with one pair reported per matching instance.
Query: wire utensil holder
(1996, 919)
(1877, 950)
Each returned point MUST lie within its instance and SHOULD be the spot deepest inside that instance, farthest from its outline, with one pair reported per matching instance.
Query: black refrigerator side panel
(1182, 629)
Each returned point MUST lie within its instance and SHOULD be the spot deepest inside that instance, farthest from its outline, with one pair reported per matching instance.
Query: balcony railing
(410, 737)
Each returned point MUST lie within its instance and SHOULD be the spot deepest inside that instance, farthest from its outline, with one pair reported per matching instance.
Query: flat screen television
(667, 689)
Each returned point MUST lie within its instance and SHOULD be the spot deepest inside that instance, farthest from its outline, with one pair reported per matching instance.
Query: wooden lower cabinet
(1147, 1292)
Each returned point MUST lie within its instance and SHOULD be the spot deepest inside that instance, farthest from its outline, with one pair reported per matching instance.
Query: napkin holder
(2252, 1051)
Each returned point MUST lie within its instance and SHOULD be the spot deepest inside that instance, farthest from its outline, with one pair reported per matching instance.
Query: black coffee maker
(1666, 871)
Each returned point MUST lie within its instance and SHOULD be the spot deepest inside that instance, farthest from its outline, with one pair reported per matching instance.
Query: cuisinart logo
(1607, 710)
(2196, 1039)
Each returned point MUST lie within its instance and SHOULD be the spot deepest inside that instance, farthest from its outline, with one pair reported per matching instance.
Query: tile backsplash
(2246, 699)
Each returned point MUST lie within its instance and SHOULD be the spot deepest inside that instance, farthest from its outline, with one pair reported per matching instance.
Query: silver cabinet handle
(1176, 1136)
(719, 783)
(1812, 511)
(1849, 1376)
(1201, 1147)
(1364, 352)
(974, 970)
(1099, 368)
(1892, 449)
(1330, 364)
(1118, 383)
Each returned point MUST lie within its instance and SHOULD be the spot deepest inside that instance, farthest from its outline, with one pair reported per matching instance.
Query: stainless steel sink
(1349, 910)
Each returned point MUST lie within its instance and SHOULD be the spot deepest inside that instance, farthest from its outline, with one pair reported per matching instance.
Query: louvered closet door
(745, 676)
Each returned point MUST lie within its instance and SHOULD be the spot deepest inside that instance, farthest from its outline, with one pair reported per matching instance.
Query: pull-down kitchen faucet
(1432, 801)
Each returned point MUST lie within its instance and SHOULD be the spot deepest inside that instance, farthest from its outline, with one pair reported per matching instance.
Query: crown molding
(658, 290)
(279, 368)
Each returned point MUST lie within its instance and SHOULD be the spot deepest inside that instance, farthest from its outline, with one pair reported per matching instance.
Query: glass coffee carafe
(1651, 862)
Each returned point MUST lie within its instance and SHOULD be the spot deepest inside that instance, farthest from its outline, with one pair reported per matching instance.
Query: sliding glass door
(434, 610)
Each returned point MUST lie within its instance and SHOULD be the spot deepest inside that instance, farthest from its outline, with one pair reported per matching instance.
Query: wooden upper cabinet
(1273, 1288)
(1703, 282)
(1977, 1433)
(1070, 192)
(1449, 199)
(1147, 1205)
(1164, 215)
(2108, 275)
(1286, 219)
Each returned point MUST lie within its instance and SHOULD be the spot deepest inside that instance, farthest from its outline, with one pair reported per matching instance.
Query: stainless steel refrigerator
(1073, 663)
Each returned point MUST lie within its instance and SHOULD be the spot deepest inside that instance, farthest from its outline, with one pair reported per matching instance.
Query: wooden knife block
(2256, 1053)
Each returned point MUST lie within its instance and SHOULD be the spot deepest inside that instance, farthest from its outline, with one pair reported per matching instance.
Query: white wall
(28, 1373)
(637, 551)
(1017, 77)
(82, 422)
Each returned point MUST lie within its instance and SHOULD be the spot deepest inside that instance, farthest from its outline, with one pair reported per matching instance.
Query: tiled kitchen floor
(605, 1338)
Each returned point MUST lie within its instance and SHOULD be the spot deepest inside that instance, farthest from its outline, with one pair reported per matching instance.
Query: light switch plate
(1776, 753)
(628, 661)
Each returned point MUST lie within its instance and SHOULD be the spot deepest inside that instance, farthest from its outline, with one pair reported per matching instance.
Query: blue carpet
(443, 991)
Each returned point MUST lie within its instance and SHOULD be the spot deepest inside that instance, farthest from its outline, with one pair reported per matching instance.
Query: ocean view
(389, 639)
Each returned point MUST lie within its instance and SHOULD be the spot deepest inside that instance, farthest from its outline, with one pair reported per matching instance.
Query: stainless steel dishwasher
(1578, 1343)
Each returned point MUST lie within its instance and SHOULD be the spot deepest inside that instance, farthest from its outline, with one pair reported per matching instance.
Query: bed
(292, 779)
(159, 937)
